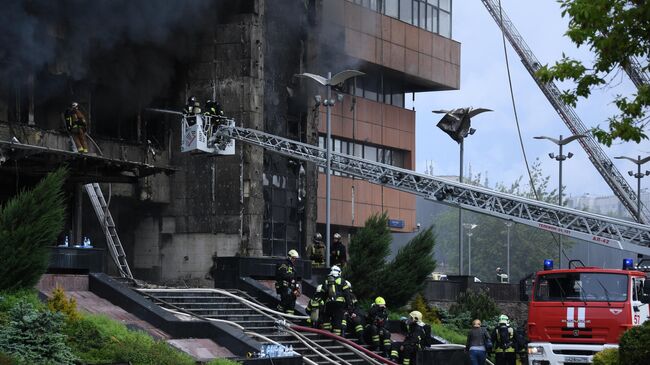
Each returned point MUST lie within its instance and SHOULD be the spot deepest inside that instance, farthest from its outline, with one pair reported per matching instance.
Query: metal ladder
(107, 223)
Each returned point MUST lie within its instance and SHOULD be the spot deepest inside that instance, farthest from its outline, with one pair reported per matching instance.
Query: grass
(446, 331)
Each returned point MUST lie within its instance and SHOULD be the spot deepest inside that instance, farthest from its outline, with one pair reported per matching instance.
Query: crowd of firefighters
(334, 308)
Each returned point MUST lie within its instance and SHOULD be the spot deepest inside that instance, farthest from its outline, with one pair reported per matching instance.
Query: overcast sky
(495, 147)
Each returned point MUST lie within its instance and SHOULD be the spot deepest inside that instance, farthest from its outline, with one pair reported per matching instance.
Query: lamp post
(639, 175)
(508, 226)
(469, 227)
(329, 103)
(560, 158)
(457, 124)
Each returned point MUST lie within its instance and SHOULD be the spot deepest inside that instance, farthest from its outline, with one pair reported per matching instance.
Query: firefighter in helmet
(338, 255)
(503, 340)
(75, 122)
(316, 307)
(376, 332)
(316, 251)
(286, 284)
(337, 300)
(415, 337)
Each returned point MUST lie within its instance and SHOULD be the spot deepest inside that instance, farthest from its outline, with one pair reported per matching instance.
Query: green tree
(29, 223)
(368, 250)
(406, 274)
(615, 31)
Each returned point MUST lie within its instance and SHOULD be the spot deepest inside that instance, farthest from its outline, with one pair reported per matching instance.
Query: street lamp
(329, 103)
(559, 158)
(639, 175)
(469, 227)
(457, 124)
(508, 226)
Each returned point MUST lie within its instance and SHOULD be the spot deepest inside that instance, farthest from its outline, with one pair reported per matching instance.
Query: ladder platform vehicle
(577, 312)
(594, 228)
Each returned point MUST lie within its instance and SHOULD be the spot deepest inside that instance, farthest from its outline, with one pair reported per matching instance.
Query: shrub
(406, 274)
(6, 359)
(9, 299)
(478, 304)
(429, 314)
(29, 223)
(59, 303)
(35, 337)
(99, 339)
(368, 250)
(633, 348)
(606, 357)
(222, 362)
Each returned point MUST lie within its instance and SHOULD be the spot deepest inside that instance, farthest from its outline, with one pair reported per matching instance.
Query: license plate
(576, 359)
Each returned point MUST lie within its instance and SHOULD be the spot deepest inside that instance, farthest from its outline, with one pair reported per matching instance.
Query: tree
(29, 223)
(634, 347)
(368, 250)
(616, 31)
(406, 274)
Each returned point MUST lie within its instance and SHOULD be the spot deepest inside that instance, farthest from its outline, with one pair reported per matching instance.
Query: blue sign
(396, 223)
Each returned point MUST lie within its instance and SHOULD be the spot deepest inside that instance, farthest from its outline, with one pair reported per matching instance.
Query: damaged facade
(175, 211)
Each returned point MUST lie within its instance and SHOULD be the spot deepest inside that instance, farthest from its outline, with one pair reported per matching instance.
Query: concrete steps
(219, 306)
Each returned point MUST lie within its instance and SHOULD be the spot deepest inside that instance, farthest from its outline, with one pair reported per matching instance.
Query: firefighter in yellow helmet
(286, 284)
(415, 336)
(315, 307)
(376, 332)
(503, 340)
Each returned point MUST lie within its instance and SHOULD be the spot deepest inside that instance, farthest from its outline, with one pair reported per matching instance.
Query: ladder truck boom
(591, 227)
(635, 71)
(596, 155)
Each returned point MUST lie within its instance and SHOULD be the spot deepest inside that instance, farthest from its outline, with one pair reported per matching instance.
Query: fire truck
(574, 313)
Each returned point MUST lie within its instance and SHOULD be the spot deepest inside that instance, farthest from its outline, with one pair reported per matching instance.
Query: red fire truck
(574, 313)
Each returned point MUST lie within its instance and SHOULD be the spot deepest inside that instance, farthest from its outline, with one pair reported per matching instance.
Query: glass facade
(376, 88)
(282, 215)
(432, 15)
(370, 152)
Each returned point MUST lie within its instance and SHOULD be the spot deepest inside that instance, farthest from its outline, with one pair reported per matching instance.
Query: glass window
(398, 158)
(359, 89)
(388, 157)
(423, 15)
(337, 145)
(445, 24)
(370, 88)
(405, 11)
(432, 16)
(433, 2)
(398, 99)
(370, 153)
(391, 8)
(445, 5)
(583, 287)
(358, 150)
(321, 141)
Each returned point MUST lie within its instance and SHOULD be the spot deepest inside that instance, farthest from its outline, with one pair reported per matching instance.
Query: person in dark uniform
(286, 284)
(338, 255)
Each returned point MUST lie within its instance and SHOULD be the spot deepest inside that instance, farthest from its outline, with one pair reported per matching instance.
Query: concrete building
(174, 212)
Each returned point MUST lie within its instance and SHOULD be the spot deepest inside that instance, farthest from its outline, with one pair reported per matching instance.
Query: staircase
(219, 306)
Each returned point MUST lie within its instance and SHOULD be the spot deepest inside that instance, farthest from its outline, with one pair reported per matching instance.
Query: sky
(494, 149)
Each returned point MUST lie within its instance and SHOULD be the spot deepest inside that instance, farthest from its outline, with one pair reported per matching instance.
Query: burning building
(174, 212)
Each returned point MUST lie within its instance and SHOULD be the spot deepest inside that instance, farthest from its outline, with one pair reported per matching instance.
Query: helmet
(191, 100)
(293, 254)
(337, 236)
(335, 271)
(349, 284)
(498, 269)
(74, 105)
(416, 316)
(380, 301)
(504, 319)
(318, 237)
(319, 288)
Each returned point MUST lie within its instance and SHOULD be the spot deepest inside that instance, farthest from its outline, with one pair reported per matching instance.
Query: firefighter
(286, 284)
(503, 340)
(415, 334)
(501, 276)
(192, 108)
(75, 122)
(376, 331)
(353, 318)
(338, 255)
(337, 300)
(315, 307)
(213, 109)
(316, 251)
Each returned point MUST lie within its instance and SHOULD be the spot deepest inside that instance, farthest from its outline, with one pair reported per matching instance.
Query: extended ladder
(107, 223)
(596, 155)
(606, 231)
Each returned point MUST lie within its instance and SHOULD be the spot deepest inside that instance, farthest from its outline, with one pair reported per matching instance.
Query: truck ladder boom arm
(591, 227)
(635, 71)
(596, 155)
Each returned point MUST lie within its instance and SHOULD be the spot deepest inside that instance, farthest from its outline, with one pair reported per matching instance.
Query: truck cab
(574, 313)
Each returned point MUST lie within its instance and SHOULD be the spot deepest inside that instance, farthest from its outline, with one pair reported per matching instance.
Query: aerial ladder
(596, 155)
(219, 138)
(635, 72)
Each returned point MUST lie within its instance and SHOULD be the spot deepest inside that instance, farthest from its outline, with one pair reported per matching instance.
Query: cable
(514, 109)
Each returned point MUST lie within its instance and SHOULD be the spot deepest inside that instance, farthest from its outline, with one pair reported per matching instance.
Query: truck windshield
(583, 287)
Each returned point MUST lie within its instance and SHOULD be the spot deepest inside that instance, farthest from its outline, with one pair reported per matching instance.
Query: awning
(33, 160)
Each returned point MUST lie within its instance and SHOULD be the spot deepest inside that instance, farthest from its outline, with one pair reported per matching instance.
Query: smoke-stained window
(282, 219)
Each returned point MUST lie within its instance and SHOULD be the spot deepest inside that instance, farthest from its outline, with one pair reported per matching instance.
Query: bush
(99, 339)
(222, 362)
(6, 359)
(59, 303)
(478, 304)
(9, 300)
(606, 357)
(633, 348)
(29, 223)
(406, 274)
(429, 314)
(368, 250)
(35, 337)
